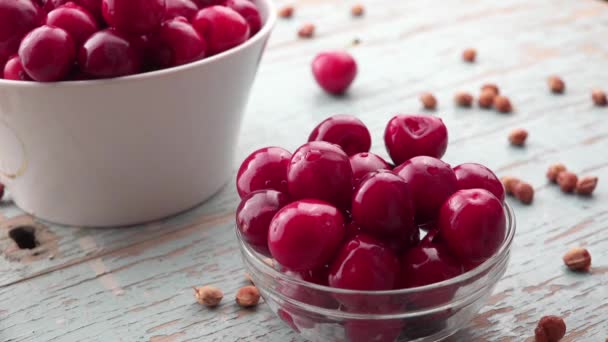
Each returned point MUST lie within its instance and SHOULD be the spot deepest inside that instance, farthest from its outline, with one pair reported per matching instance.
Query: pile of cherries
(57, 40)
(335, 214)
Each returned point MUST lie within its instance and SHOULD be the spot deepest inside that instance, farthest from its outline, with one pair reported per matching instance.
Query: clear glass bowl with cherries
(344, 246)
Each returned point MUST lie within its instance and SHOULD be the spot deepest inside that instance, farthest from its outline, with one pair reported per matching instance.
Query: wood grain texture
(134, 284)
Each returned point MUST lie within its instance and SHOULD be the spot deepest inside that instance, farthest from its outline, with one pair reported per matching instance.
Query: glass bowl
(427, 313)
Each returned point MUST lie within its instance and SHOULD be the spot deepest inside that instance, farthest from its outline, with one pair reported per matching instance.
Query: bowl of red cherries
(113, 103)
(345, 246)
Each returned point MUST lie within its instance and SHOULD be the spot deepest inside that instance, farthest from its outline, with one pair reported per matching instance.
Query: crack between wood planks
(208, 221)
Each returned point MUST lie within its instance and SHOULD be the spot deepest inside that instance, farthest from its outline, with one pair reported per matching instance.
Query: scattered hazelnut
(554, 171)
(306, 31)
(486, 98)
(578, 259)
(586, 185)
(550, 329)
(269, 262)
(509, 183)
(428, 101)
(357, 10)
(469, 55)
(556, 84)
(599, 97)
(463, 99)
(492, 87)
(356, 41)
(208, 296)
(518, 137)
(286, 11)
(524, 192)
(248, 278)
(248, 296)
(502, 104)
(567, 181)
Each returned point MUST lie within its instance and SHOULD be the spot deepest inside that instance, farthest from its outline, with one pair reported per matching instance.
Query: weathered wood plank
(134, 284)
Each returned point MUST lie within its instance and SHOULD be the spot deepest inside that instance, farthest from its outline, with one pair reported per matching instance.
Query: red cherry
(431, 181)
(94, 7)
(109, 53)
(304, 235)
(49, 5)
(206, 3)
(265, 168)
(321, 170)
(76, 20)
(249, 11)
(222, 27)
(382, 205)
(365, 264)
(472, 224)
(180, 8)
(318, 276)
(286, 317)
(133, 16)
(346, 131)
(305, 294)
(334, 71)
(424, 265)
(182, 40)
(47, 53)
(13, 70)
(408, 136)
(476, 176)
(254, 214)
(364, 163)
(154, 54)
(17, 18)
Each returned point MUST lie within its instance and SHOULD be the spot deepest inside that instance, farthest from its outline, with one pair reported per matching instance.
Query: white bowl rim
(502, 252)
(265, 30)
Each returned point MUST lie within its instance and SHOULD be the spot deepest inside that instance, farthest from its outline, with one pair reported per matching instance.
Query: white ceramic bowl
(127, 150)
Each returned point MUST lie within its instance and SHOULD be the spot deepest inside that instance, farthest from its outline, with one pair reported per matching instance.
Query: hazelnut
(248, 278)
(554, 171)
(463, 99)
(599, 97)
(286, 11)
(306, 31)
(509, 183)
(502, 104)
(248, 296)
(357, 10)
(578, 259)
(269, 262)
(586, 185)
(486, 98)
(208, 295)
(567, 181)
(550, 329)
(469, 55)
(518, 137)
(491, 86)
(556, 84)
(428, 101)
(524, 192)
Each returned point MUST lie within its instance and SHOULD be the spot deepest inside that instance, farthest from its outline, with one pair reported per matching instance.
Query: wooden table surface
(134, 284)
